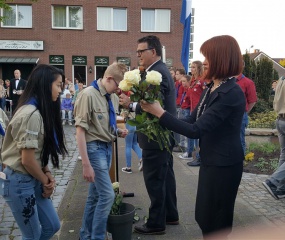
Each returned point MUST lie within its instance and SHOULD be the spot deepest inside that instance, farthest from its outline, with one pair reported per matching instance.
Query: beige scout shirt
(91, 112)
(25, 130)
(279, 97)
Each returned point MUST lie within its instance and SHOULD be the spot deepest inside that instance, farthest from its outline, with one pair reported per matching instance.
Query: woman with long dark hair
(33, 136)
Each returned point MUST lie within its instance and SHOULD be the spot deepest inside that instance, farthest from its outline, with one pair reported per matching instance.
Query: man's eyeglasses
(139, 52)
(117, 85)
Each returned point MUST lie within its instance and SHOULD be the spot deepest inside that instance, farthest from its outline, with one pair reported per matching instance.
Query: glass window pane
(24, 16)
(119, 19)
(75, 17)
(104, 18)
(148, 20)
(59, 16)
(9, 16)
(162, 20)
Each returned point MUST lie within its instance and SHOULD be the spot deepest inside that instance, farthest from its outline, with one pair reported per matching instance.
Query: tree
(5, 5)
(263, 78)
(275, 75)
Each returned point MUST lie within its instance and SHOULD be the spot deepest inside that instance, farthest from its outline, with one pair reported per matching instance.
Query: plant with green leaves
(118, 200)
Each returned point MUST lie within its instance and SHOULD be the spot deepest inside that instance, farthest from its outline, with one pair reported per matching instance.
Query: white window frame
(156, 12)
(17, 26)
(112, 20)
(67, 17)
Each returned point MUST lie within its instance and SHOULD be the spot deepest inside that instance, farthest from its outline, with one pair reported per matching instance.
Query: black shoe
(194, 163)
(271, 188)
(127, 170)
(149, 231)
(172, 222)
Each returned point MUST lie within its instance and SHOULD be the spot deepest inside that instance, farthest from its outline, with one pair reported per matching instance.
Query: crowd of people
(205, 109)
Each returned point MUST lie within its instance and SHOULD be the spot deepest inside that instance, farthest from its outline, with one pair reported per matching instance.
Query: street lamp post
(250, 48)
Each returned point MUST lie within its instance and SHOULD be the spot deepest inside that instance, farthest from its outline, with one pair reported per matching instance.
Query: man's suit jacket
(167, 89)
(21, 86)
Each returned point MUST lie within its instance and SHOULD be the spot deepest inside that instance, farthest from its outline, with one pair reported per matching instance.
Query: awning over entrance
(23, 60)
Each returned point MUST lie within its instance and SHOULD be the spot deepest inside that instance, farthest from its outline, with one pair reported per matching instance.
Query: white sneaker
(140, 165)
(70, 123)
(63, 122)
(185, 156)
(79, 158)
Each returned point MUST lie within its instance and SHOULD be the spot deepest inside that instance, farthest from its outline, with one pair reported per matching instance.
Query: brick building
(84, 36)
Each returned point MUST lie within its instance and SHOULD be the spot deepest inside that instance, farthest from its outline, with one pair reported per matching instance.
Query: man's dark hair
(152, 42)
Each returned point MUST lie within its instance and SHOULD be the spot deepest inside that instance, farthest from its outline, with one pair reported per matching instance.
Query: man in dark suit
(157, 164)
(17, 86)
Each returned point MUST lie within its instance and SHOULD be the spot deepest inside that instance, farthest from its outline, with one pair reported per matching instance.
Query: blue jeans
(242, 131)
(34, 214)
(190, 142)
(278, 177)
(101, 194)
(132, 143)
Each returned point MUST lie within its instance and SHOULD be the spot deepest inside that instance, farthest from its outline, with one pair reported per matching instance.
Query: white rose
(125, 86)
(115, 185)
(132, 77)
(153, 77)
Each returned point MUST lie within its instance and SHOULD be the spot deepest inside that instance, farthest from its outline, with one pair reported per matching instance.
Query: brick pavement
(253, 206)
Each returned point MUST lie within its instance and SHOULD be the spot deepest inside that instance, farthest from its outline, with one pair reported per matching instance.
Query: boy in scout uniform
(95, 121)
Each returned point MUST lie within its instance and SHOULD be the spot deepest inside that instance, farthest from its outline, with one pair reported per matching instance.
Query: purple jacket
(66, 104)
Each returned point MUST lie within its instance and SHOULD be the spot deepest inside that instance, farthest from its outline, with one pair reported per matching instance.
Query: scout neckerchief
(112, 114)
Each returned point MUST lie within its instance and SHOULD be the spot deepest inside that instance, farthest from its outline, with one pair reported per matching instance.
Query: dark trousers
(161, 187)
(216, 195)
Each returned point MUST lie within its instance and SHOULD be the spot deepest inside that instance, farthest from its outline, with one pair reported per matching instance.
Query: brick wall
(90, 42)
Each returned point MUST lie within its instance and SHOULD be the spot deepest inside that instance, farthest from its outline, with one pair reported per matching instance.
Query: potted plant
(120, 220)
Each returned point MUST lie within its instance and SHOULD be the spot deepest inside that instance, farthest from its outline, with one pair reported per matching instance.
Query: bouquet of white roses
(148, 90)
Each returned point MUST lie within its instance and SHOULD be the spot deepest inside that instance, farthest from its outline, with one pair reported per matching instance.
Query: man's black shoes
(149, 231)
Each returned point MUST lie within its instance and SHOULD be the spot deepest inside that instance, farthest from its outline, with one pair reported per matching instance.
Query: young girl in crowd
(34, 135)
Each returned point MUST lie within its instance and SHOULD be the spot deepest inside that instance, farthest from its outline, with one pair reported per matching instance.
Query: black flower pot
(121, 226)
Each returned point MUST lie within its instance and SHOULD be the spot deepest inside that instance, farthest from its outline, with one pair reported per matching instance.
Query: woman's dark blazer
(218, 128)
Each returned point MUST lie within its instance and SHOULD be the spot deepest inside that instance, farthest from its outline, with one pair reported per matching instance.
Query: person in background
(216, 121)
(76, 81)
(197, 86)
(131, 142)
(158, 170)
(95, 120)
(68, 85)
(185, 113)
(180, 144)
(33, 136)
(2, 95)
(273, 87)
(80, 88)
(7, 96)
(248, 87)
(275, 184)
(172, 71)
(17, 86)
(67, 108)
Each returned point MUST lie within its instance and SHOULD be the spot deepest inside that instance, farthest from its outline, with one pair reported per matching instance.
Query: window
(155, 20)
(19, 16)
(111, 19)
(70, 17)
